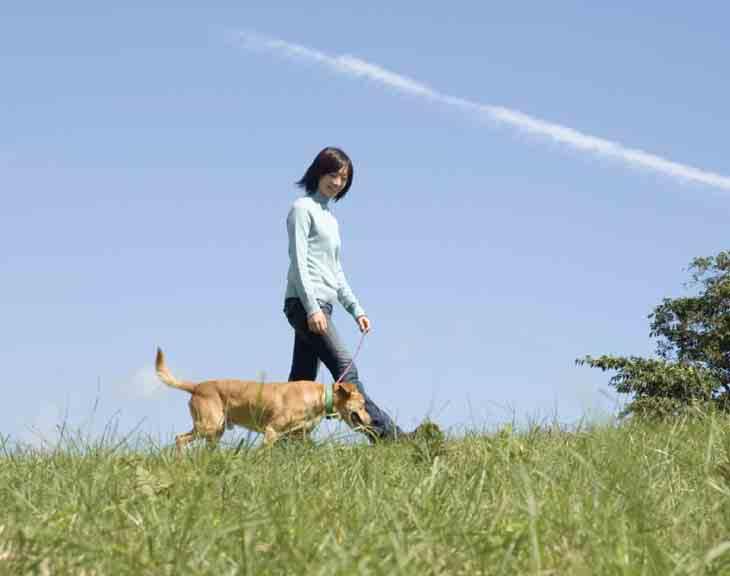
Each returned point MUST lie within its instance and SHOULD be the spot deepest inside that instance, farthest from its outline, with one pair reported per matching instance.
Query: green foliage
(696, 330)
(692, 370)
(640, 498)
(428, 443)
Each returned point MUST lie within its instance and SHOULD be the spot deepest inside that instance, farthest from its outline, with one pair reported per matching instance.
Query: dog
(276, 409)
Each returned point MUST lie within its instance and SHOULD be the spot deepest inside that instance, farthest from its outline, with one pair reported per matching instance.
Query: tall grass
(630, 499)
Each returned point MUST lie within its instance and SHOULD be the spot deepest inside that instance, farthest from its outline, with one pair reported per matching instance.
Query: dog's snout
(355, 419)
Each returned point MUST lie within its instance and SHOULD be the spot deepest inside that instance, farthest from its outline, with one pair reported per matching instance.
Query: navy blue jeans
(310, 348)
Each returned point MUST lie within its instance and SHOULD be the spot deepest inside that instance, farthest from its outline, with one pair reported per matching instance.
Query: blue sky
(147, 161)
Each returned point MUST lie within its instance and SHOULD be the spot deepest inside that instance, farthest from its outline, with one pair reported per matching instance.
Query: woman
(315, 280)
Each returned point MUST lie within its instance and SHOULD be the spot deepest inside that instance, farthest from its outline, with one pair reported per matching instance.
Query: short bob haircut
(328, 161)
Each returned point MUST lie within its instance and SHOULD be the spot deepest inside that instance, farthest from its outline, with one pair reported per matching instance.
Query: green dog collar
(328, 400)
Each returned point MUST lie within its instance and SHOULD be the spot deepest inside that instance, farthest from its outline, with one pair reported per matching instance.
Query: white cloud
(141, 384)
(351, 66)
(145, 382)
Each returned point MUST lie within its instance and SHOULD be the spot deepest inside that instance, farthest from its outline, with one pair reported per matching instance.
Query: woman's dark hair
(328, 161)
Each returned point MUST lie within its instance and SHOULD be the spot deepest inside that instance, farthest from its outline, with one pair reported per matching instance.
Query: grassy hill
(631, 499)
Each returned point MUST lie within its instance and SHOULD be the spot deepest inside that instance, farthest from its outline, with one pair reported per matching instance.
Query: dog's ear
(344, 389)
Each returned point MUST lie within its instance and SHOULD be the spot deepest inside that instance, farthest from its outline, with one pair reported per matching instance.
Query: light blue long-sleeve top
(315, 271)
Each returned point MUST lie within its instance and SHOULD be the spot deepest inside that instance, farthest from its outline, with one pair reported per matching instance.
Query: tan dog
(276, 409)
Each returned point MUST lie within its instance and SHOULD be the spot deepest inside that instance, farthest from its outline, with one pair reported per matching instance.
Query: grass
(630, 499)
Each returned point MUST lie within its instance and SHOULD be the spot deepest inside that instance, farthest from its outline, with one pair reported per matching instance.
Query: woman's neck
(321, 198)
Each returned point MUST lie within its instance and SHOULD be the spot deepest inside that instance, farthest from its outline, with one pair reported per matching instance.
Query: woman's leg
(329, 349)
(304, 362)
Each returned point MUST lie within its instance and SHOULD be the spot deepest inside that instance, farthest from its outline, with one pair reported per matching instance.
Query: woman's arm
(344, 292)
(298, 224)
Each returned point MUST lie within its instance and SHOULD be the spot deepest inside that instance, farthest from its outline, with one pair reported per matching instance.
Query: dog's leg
(182, 440)
(300, 434)
(209, 417)
(270, 436)
(212, 439)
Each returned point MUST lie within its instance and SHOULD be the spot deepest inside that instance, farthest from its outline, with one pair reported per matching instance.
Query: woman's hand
(317, 323)
(364, 323)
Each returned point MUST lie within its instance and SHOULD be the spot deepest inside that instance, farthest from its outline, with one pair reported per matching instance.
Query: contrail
(351, 66)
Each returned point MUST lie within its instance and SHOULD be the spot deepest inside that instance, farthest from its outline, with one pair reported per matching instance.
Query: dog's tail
(166, 376)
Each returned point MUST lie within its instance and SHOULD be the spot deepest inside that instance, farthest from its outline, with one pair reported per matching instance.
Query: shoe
(427, 431)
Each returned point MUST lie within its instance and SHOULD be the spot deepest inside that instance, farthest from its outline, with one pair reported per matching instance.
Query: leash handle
(357, 351)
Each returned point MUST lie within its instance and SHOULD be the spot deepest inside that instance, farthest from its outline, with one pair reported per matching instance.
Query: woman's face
(332, 184)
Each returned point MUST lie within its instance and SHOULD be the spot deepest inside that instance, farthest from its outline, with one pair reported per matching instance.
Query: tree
(693, 349)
